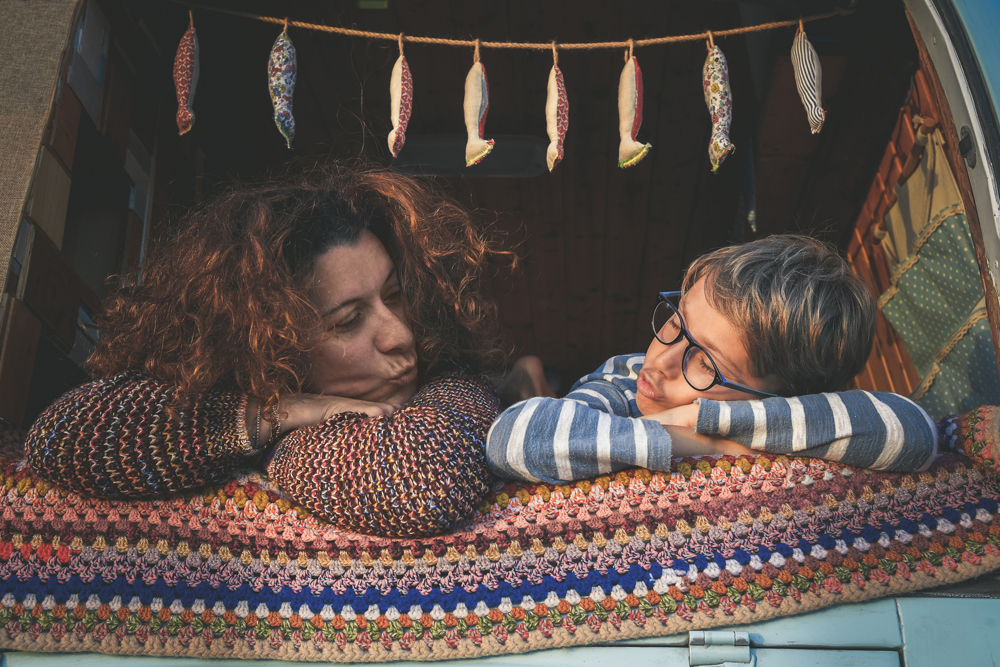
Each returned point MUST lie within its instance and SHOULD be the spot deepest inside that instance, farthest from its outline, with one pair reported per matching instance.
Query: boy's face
(661, 384)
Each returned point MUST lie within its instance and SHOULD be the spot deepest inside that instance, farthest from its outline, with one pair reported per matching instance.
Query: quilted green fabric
(936, 304)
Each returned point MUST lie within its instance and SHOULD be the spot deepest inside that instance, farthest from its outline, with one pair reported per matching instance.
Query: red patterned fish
(186, 77)
(630, 151)
(401, 104)
(556, 117)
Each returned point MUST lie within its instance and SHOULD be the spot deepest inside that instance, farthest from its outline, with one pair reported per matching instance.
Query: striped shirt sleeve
(583, 435)
(876, 430)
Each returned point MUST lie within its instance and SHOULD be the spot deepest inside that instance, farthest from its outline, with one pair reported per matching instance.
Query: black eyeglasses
(698, 367)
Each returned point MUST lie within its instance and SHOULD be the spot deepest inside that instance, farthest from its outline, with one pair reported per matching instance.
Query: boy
(782, 316)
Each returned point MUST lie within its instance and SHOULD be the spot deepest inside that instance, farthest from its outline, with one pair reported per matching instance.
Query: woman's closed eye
(347, 322)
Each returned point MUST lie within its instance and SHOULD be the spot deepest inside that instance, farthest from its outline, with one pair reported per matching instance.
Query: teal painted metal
(866, 625)
(950, 631)
(981, 20)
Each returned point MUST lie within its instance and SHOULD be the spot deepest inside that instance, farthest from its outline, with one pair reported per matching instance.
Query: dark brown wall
(597, 242)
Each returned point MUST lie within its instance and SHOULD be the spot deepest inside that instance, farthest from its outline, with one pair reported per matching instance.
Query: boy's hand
(684, 415)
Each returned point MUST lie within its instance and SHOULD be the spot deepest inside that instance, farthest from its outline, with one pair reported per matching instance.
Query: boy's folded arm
(583, 435)
(876, 430)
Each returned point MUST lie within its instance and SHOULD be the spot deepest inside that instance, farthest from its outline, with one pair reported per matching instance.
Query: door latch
(711, 648)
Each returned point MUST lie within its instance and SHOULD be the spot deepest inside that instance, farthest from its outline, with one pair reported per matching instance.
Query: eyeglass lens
(698, 368)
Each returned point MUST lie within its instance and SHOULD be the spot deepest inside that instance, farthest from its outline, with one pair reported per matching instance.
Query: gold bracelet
(275, 427)
(256, 431)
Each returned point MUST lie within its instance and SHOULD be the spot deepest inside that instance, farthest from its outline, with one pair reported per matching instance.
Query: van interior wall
(597, 242)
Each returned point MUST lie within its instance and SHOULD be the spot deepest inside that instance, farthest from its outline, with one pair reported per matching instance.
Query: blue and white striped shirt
(597, 429)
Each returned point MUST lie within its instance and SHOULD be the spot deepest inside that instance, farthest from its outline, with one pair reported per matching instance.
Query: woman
(307, 312)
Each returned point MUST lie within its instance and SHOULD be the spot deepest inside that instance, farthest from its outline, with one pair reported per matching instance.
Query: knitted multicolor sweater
(417, 472)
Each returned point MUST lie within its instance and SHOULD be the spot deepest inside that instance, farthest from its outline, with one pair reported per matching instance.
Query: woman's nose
(394, 332)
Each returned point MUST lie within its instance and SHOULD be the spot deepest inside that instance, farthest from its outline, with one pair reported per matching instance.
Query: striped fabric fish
(556, 116)
(809, 80)
(477, 104)
(281, 69)
(401, 103)
(719, 98)
(186, 77)
(630, 151)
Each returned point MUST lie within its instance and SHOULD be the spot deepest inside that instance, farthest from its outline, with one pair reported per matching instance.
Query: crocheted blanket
(237, 571)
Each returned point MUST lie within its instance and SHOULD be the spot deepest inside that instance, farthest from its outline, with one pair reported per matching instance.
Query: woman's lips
(406, 377)
(646, 388)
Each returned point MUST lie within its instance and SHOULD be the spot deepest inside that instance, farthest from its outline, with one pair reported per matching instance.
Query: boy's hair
(804, 316)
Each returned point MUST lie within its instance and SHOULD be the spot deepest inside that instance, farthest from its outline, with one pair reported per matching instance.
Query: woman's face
(661, 384)
(368, 352)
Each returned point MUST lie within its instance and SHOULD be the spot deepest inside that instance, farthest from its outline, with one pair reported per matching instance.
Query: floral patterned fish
(556, 116)
(719, 98)
(401, 104)
(809, 80)
(477, 104)
(630, 151)
(186, 77)
(281, 83)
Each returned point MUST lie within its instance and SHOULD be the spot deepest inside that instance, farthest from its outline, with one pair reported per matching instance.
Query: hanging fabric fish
(556, 113)
(186, 77)
(630, 151)
(477, 104)
(281, 82)
(808, 79)
(719, 98)
(401, 104)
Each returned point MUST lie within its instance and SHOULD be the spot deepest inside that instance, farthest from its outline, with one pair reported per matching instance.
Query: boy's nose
(669, 359)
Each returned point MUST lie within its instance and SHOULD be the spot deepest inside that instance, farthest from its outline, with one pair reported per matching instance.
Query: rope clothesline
(537, 46)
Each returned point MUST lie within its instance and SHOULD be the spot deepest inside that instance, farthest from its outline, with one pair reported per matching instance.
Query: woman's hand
(302, 410)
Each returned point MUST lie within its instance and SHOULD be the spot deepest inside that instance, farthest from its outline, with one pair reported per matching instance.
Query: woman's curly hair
(223, 302)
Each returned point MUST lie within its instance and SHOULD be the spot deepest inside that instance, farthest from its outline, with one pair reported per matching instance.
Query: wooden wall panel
(19, 333)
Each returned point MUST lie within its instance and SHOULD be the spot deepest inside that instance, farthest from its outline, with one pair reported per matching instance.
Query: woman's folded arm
(116, 438)
(417, 472)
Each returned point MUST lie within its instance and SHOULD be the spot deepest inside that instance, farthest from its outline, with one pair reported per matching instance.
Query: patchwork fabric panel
(936, 304)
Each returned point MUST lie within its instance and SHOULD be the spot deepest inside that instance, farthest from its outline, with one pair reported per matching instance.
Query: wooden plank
(18, 344)
(49, 196)
(133, 243)
(49, 286)
(117, 108)
(65, 125)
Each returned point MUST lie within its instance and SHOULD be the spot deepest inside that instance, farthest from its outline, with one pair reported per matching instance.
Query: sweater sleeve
(583, 435)
(115, 438)
(876, 430)
(418, 472)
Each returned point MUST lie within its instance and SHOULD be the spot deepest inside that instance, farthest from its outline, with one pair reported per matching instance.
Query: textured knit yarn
(415, 473)
(418, 472)
(114, 438)
(239, 572)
